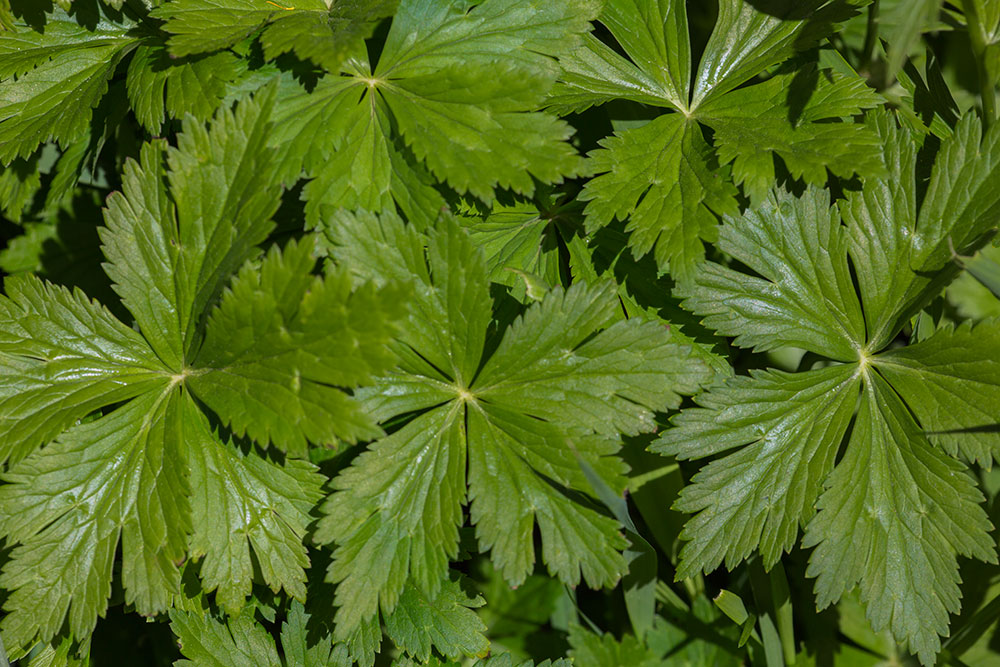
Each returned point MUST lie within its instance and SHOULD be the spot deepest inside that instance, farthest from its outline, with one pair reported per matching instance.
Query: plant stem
(987, 84)
(871, 36)
(783, 612)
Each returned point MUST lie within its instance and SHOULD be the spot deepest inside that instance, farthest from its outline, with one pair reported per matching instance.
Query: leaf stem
(987, 80)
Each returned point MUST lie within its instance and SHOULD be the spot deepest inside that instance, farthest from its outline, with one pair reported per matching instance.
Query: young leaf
(491, 430)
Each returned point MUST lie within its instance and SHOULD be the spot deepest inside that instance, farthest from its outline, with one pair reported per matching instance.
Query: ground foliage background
(635, 332)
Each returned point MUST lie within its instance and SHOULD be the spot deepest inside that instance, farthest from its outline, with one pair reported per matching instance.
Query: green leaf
(469, 78)
(325, 36)
(896, 514)
(799, 249)
(975, 294)
(520, 241)
(889, 296)
(62, 357)
(19, 184)
(951, 382)
(907, 21)
(67, 505)
(300, 647)
(663, 178)
(363, 166)
(160, 86)
(551, 365)
(654, 35)
(747, 40)
(312, 29)
(593, 650)
(643, 291)
(208, 642)
(297, 339)
(150, 471)
(446, 621)
(172, 243)
(732, 606)
(807, 298)
(242, 503)
(202, 26)
(985, 270)
(23, 50)
(963, 198)
(788, 428)
(789, 115)
(397, 508)
(54, 101)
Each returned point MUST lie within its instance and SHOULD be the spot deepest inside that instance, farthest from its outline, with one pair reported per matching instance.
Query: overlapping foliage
(453, 332)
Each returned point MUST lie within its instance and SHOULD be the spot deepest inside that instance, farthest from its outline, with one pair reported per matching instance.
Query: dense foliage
(499, 332)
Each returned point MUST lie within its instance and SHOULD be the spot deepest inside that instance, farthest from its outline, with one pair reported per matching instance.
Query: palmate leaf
(148, 470)
(498, 432)
(449, 75)
(224, 206)
(894, 512)
(664, 178)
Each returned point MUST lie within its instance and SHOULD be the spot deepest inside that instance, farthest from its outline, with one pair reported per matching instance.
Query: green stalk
(783, 612)
(987, 82)
(871, 36)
